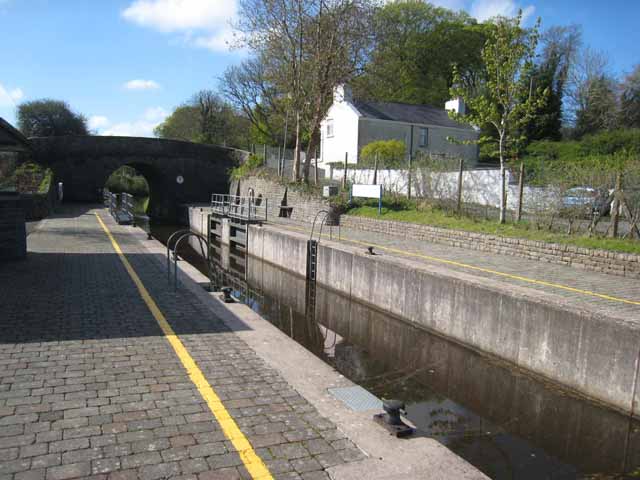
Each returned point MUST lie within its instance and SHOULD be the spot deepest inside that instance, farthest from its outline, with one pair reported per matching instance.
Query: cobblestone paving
(625, 288)
(89, 387)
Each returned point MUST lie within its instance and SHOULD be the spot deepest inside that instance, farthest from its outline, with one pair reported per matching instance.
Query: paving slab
(91, 388)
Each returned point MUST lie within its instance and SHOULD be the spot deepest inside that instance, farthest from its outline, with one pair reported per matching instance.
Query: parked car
(586, 201)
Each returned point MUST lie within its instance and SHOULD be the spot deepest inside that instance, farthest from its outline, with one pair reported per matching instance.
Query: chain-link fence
(280, 161)
(590, 195)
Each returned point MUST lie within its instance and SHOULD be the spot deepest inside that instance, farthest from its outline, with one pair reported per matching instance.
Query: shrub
(253, 162)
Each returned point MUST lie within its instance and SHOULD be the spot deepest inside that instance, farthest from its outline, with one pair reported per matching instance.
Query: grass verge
(438, 218)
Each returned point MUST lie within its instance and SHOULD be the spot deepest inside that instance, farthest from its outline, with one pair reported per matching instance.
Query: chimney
(456, 105)
(342, 93)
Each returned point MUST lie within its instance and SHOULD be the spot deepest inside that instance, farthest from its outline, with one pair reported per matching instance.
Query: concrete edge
(491, 284)
(388, 457)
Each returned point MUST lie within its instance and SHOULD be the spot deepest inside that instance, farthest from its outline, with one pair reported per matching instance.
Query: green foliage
(600, 109)
(182, 124)
(606, 147)
(630, 99)
(126, 179)
(415, 46)
(390, 153)
(507, 101)
(206, 118)
(47, 179)
(250, 165)
(47, 118)
(439, 218)
(610, 142)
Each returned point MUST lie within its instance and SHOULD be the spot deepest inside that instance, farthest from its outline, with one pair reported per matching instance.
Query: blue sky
(126, 64)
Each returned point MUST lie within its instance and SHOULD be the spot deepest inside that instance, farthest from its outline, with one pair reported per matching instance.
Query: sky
(126, 64)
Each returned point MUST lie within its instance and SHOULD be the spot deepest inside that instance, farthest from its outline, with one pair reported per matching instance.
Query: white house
(351, 124)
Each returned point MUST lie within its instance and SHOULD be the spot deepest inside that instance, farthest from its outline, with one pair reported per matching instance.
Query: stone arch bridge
(84, 163)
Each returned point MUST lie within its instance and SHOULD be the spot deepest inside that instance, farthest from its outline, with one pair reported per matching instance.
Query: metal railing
(127, 206)
(172, 253)
(250, 208)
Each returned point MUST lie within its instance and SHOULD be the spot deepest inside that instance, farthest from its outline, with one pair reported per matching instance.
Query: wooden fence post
(279, 171)
(409, 182)
(520, 192)
(315, 170)
(375, 170)
(615, 206)
(460, 172)
(344, 171)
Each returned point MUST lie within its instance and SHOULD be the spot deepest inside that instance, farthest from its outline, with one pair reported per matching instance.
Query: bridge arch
(84, 163)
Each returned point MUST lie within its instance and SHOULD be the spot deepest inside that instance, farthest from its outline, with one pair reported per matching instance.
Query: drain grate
(357, 398)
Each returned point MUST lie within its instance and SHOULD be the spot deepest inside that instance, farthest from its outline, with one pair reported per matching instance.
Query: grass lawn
(438, 218)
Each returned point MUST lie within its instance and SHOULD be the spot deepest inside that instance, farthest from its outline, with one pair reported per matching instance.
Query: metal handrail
(202, 250)
(322, 223)
(179, 232)
(242, 208)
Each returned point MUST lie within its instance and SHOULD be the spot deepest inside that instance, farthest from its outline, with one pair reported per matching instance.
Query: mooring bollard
(226, 291)
(392, 420)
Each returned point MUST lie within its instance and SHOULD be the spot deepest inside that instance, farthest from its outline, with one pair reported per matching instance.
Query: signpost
(368, 191)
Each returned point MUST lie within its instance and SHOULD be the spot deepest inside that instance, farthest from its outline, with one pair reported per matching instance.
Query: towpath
(107, 373)
(604, 294)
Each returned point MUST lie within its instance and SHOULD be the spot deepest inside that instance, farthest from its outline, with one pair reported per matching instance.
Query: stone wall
(303, 206)
(613, 263)
(13, 235)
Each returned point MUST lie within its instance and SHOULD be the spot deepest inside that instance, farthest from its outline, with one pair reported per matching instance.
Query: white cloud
(155, 114)
(217, 42)
(140, 84)
(9, 98)
(486, 9)
(203, 23)
(98, 121)
(142, 127)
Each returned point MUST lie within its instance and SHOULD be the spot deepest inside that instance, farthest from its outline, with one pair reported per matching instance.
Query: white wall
(480, 187)
(345, 133)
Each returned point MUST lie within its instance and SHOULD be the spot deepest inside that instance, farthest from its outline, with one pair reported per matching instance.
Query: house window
(424, 137)
(329, 128)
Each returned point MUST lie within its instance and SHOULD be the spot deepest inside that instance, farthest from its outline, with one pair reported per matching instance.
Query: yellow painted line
(482, 269)
(256, 467)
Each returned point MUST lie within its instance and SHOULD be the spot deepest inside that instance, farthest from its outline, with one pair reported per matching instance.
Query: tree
(182, 124)
(415, 46)
(630, 99)
(599, 109)
(592, 98)
(383, 153)
(205, 118)
(249, 90)
(306, 48)
(49, 118)
(504, 103)
(559, 50)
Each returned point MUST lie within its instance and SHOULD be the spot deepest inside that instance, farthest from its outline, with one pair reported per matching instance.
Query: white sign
(366, 191)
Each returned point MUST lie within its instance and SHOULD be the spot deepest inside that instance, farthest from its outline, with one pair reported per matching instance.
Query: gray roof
(404, 112)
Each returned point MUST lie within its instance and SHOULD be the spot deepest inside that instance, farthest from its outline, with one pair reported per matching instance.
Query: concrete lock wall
(593, 355)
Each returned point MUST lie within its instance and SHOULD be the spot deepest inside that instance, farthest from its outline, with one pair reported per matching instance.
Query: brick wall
(614, 263)
(304, 207)
(13, 236)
